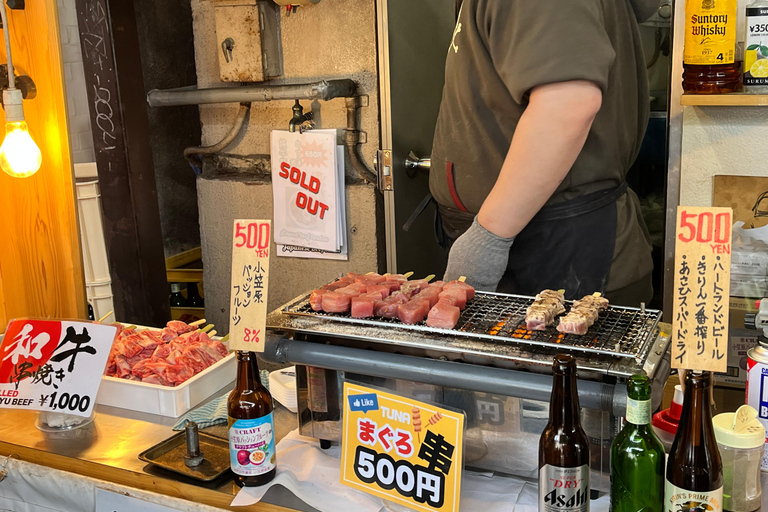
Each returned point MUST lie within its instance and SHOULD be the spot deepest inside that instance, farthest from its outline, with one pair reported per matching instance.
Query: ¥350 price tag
(51, 365)
(250, 280)
(702, 276)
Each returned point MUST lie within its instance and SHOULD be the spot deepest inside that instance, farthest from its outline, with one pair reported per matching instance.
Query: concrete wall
(720, 140)
(333, 39)
(74, 77)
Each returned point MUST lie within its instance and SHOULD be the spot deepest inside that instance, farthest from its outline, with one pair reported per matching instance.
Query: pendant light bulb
(19, 155)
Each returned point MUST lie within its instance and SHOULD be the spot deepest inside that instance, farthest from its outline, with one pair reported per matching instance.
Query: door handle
(413, 164)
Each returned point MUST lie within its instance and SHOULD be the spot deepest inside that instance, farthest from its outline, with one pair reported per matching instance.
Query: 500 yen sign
(705, 227)
(254, 236)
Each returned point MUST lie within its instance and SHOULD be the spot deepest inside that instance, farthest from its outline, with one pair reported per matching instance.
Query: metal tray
(169, 454)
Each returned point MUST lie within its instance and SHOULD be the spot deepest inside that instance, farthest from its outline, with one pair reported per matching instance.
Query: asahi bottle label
(563, 489)
(681, 500)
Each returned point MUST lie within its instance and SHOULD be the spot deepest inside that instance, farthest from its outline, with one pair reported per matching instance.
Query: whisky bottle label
(638, 411)
(252, 446)
(677, 499)
(710, 32)
(563, 489)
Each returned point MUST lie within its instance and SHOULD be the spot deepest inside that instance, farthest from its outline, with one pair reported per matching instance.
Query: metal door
(413, 44)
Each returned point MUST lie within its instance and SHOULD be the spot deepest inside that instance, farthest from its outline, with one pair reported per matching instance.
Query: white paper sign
(108, 501)
(305, 189)
(51, 365)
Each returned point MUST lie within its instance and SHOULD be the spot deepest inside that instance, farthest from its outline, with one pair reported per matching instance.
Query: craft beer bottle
(564, 447)
(694, 468)
(637, 455)
(251, 426)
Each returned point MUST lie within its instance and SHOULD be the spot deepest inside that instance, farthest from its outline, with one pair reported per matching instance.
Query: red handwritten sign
(702, 285)
(250, 280)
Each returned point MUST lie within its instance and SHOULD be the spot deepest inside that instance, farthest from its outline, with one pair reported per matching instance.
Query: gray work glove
(479, 255)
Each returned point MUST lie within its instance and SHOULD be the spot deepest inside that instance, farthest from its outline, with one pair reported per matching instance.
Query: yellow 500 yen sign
(402, 450)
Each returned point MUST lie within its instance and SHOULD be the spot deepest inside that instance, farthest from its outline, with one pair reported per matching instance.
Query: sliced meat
(380, 289)
(547, 305)
(362, 307)
(180, 327)
(335, 302)
(395, 277)
(177, 374)
(316, 299)
(463, 286)
(353, 289)
(443, 316)
(393, 285)
(122, 366)
(437, 284)
(459, 296)
(410, 288)
(430, 294)
(387, 308)
(371, 279)
(413, 311)
(574, 323)
(595, 302)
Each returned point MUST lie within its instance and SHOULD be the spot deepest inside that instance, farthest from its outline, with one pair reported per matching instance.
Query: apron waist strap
(581, 205)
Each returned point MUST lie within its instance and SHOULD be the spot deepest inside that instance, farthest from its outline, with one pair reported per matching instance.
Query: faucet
(299, 117)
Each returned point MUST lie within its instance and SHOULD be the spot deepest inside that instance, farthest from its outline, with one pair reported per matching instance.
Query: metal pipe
(7, 36)
(484, 379)
(353, 138)
(324, 90)
(192, 152)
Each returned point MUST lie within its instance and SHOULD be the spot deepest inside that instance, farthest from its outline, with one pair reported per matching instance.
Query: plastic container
(282, 386)
(665, 422)
(95, 263)
(100, 297)
(741, 441)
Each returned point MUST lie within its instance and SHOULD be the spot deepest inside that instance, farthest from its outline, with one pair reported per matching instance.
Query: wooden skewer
(462, 278)
(429, 277)
(198, 322)
(561, 290)
(212, 333)
(105, 317)
(207, 328)
(407, 275)
(597, 294)
(130, 327)
(225, 338)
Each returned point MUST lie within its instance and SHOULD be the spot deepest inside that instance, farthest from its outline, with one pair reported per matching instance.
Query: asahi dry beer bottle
(251, 426)
(563, 447)
(694, 468)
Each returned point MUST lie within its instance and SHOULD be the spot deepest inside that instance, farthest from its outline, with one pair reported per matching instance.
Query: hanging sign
(402, 450)
(702, 276)
(52, 365)
(250, 279)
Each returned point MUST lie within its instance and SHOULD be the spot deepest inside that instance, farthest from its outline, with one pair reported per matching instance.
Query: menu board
(702, 285)
(250, 281)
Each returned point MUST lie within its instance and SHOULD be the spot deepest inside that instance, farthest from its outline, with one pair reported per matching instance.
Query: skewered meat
(380, 289)
(458, 295)
(547, 305)
(461, 285)
(430, 294)
(335, 302)
(410, 288)
(370, 279)
(387, 308)
(413, 311)
(582, 315)
(362, 307)
(393, 285)
(443, 315)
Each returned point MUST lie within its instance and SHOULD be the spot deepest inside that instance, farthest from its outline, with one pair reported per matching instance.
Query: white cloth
(314, 475)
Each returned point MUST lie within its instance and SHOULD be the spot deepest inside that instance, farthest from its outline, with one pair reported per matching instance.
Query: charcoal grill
(488, 358)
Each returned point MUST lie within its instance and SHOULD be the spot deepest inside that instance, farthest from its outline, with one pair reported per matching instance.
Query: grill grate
(619, 331)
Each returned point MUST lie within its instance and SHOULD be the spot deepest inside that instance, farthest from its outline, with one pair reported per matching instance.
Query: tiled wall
(79, 119)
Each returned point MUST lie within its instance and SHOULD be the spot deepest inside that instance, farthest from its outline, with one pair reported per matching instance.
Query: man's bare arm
(547, 140)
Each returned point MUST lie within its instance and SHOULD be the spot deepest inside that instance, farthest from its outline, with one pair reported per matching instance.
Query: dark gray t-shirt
(501, 49)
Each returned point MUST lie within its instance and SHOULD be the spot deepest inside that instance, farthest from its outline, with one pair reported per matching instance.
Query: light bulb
(19, 155)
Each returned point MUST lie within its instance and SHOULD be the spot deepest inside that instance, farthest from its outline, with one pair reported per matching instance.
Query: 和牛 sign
(51, 365)
(402, 450)
(702, 276)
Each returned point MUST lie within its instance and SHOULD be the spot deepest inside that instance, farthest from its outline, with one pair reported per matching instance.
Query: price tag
(702, 286)
(402, 450)
(250, 280)
(51, 365)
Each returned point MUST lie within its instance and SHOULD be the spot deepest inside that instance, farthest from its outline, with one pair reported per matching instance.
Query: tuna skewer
(546, 306)
(583, 314)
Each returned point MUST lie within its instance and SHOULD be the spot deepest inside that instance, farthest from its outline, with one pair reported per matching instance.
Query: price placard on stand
(52, 365)
(702, 286)
(250, 280)
(402, 450)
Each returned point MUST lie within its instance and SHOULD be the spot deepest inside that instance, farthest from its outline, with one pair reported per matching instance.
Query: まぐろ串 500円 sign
(402, 450)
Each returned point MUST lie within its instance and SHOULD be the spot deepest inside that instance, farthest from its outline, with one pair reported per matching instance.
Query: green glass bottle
(637, 456)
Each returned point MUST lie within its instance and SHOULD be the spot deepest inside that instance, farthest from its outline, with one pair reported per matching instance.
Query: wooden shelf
(724, 100)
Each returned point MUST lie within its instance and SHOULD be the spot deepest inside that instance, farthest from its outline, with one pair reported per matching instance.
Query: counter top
(108, 449)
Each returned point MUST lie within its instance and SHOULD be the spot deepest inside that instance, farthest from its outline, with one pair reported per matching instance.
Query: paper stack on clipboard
(308, 191)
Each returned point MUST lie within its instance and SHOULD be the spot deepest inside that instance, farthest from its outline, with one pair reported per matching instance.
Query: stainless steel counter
(108, 449)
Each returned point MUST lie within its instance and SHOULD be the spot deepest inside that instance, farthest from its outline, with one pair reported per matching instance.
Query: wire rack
(500, 318)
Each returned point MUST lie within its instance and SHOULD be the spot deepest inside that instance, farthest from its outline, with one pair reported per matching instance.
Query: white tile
(83, 155)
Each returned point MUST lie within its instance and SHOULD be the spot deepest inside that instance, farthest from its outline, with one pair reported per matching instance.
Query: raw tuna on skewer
(413, 311)
(387, 308)
(443, 315)
(461, 285)
(335, 302)
(458, 295)
(362, 307)
(380, 289)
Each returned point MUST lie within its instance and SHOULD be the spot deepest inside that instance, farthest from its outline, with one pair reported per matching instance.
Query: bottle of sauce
(251, 426)
(710, 62)
(637, 455)
(694, 468)
(563, 446)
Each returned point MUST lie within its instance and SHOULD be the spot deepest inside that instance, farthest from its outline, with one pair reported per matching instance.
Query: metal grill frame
(619, 331)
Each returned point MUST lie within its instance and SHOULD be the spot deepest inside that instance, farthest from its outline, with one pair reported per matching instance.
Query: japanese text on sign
(702, 285)
(48, 365)
(250, 278)
(401, 449)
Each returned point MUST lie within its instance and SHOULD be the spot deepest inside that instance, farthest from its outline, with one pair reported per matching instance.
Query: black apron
(567, 245)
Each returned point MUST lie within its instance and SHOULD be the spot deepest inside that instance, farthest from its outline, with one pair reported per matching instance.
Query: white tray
(165, 400)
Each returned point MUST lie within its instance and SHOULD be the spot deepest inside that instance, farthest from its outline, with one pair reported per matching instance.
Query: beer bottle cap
(740, 429)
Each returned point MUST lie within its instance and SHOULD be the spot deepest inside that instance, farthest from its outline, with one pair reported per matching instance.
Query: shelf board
(724, 100)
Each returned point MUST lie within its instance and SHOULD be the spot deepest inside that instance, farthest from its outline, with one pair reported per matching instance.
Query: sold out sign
(310, 183)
